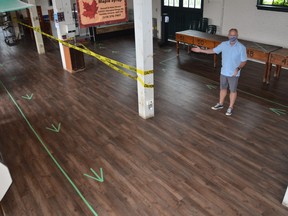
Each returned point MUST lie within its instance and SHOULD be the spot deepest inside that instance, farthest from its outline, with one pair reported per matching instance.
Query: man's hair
(233, 29)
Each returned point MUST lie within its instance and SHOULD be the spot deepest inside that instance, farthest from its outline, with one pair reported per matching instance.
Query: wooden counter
(257, 51)
(198, 38)
(280, 59)
(114, 27)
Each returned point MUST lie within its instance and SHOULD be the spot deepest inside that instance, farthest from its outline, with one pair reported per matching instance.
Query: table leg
(266, 77)
(278, 70)
(215, 60)
(177, 48)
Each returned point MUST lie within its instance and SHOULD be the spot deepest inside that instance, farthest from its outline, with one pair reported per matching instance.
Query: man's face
(232, 36)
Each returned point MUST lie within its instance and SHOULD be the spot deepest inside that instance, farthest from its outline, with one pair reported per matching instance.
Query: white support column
(64, 24)
(285, 199)
(6, 180)
(15, 24)
(144, 55)
(35, 23)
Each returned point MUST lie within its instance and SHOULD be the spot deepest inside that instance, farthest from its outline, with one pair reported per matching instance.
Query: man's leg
(233, 96)
(223, 88)
(223, 93)
(233, 83)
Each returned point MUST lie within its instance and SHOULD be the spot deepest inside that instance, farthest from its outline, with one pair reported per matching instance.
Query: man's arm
(242, 64)
(199, 50)
(239, 68)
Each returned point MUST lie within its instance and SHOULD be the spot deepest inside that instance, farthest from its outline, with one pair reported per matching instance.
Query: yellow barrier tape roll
(109, 62)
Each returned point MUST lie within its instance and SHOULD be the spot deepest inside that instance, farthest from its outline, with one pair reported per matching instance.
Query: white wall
(253, 24)
(156, 13)
(129, 4)
(44, 6)
(213, 9)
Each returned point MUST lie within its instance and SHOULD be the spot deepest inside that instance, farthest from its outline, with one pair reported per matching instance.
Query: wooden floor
(186, 161)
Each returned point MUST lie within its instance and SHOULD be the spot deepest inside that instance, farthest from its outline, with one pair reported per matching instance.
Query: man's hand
(235, 73)
(196, 49)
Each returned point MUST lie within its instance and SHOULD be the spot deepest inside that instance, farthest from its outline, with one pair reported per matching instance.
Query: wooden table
(198, 38)
(114, 27)
(255, 50)
(280, 59)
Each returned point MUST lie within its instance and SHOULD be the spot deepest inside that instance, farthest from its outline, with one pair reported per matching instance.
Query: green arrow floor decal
(50, 154)
(28, 97)
(97, 178)
(54, 129)
(278, 111)
(211, 86)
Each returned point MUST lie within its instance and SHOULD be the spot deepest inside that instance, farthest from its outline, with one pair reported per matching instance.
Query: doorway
(183, 14)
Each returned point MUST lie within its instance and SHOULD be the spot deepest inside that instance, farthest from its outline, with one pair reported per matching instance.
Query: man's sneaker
(229, 111)
(218, 106)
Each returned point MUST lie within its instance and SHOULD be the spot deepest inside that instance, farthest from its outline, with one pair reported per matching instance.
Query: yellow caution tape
(109, 62)
(145, 85)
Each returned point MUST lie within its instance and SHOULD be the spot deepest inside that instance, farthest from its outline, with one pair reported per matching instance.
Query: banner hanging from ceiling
(101, 12)
(12, 5)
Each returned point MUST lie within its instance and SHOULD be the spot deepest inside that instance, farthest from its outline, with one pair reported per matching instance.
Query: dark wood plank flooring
(188, 160)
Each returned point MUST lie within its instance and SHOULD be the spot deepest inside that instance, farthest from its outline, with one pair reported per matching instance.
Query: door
(183, 14)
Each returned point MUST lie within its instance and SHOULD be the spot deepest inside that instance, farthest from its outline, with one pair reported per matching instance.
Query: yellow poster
(100, 12)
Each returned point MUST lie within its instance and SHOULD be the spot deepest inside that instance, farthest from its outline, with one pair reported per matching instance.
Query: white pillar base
(285, 199)
(5, 180)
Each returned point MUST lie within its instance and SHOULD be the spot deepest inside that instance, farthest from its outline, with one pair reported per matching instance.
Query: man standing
(234, 58)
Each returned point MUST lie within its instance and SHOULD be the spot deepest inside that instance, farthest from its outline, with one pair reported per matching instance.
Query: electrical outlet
(150, 104)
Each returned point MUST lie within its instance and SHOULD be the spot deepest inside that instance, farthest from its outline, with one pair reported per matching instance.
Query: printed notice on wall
(101, 12)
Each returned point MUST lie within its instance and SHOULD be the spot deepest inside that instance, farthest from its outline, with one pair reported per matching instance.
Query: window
(274, 5)
(184, 3)
(192, 4)
(171, 3)
(275, 2)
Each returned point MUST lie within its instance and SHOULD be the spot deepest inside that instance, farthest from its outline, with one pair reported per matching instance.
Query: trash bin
(74, 59)
(164, 29)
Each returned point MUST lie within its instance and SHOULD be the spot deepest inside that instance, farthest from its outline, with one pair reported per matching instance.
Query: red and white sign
(101, 12)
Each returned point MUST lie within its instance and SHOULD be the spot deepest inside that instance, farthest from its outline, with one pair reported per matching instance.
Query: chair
(194, 25)
(211, 29)
(203, 24)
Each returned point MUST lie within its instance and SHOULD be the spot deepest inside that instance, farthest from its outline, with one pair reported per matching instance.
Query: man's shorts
(232, 82)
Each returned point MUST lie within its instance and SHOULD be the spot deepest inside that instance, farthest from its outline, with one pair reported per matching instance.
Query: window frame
(201, 5)
(173, 3)
(261, 6)
(181, 5)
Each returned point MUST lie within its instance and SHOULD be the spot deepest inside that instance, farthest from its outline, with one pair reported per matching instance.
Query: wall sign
(101, 12)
